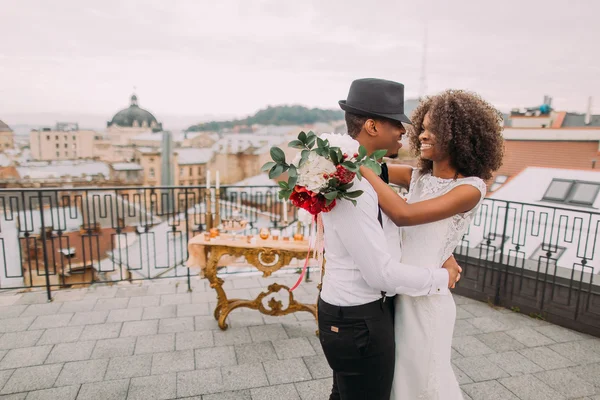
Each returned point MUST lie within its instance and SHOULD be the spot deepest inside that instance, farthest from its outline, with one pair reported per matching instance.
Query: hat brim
(396, 117)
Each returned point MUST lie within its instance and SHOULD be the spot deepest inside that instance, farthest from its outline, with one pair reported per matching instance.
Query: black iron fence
(64, 237)
(538, 259)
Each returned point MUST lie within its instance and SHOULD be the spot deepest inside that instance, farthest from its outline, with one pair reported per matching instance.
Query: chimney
(588, 114)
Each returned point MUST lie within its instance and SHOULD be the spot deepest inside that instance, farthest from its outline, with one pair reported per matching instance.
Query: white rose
(346, 144)
(310, 175)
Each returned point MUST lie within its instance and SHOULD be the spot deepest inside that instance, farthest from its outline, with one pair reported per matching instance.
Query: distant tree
(279, 115)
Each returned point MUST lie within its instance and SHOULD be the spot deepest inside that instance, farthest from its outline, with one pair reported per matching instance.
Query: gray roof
(134, 113)
(574, 119)
(127, 167)
(192, 156)
(4, 127)
(59, 169)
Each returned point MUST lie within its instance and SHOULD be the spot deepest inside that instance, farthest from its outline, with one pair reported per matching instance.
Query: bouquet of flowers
(323, 171)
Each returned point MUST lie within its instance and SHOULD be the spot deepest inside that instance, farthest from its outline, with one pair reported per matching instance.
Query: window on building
(57, 154)
(585, 193)
(74, 138)
(558, 190)
(151, 172)
(47, 137)
(547, 253)
(572, 192)
(66, 146)
(490, 246)
(56, 137)
(191, 171)
(499, 180)
(200, 171)
(57, 146)
(74, 146)
(66, 154)
(181, 171)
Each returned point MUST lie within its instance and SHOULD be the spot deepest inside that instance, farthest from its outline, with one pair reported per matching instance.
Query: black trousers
(359, 345)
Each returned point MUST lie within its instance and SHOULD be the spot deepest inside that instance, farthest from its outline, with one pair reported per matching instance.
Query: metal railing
(536, 258)
(64, 237)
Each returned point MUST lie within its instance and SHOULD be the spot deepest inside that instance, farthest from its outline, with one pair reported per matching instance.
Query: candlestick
(208, 178)
(218, 184)
(285, 212)
(217, 220)
(209, 219)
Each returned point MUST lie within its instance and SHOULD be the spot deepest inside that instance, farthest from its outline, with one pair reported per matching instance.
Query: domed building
(131, 122)
(135, 117)
(7, 137)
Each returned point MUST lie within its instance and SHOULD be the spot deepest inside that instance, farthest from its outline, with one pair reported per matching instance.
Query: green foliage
(279, 115)
(306, 143)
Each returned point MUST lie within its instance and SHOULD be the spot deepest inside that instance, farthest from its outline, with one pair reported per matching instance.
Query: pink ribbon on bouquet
(318, 249)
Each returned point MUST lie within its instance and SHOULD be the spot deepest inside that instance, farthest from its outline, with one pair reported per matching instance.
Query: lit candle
(208, 178)
(285, 212)
(217, 185)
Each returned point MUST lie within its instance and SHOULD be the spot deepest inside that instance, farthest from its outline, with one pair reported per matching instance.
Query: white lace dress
(424, 325)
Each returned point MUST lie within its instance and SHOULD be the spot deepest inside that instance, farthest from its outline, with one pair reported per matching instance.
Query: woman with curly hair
(458, 138)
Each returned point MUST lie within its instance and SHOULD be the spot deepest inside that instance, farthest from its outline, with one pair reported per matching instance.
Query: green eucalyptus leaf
(320, 143)
(304, 157)
(379, 154)
(276, 171)
(302, 137)
(296, 144)
(350, 166)
(277, 155)
(334, 182)
(334, 157)
(285, 194)
(292, 180)
(373, 165)
(362, 152)
(293, 171)
(353, 195)
(331, 195)
(268, 166)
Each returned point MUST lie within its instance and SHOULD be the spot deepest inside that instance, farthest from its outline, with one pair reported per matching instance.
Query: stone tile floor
(157, 341)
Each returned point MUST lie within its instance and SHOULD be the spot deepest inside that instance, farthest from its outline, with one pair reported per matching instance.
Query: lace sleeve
(416, 174)
(478, 183)
(460, 222)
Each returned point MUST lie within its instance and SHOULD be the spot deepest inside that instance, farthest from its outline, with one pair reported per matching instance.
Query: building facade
(7, 137)
(62, 143)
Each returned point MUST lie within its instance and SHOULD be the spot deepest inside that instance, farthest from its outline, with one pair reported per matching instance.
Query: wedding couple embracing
(386, 315)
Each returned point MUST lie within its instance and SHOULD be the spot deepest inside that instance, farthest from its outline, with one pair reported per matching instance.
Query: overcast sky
(233, 57)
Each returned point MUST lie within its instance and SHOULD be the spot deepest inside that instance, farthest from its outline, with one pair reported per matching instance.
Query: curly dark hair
(354, 123)
(466, 127)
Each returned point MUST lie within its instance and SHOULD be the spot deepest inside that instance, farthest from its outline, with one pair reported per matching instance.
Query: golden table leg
(274, 307)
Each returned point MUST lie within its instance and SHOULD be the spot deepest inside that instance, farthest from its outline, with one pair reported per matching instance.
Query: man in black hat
(362, 248)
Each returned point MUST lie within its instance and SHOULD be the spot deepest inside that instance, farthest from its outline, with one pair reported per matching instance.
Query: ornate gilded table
(267, 256)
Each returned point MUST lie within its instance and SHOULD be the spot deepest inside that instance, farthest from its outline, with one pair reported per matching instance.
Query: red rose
(312, 202)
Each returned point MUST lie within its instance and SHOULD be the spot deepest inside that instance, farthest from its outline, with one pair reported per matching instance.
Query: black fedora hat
(372, 97)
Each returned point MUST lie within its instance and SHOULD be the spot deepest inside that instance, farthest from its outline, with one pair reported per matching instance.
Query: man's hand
(454, 271)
